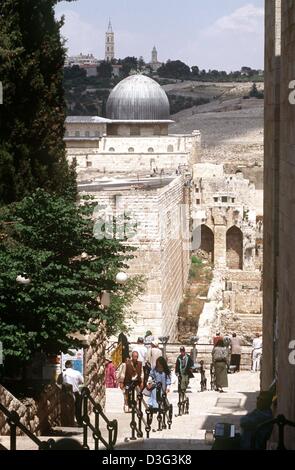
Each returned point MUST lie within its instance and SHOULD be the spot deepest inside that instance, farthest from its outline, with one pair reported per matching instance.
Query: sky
(212, 34)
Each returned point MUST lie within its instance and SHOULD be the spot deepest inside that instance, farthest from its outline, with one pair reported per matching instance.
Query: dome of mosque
(138, 97)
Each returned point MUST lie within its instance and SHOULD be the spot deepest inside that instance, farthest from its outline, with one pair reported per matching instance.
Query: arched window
(170, 148)
(151, 150)
(234, 248)
(111, 149)
(207, 242)
(131, 149)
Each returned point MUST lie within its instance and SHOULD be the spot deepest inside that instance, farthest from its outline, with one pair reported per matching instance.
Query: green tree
(32, 54)
(52, 239)
(105, 70)
(128, 64)
(174, 69)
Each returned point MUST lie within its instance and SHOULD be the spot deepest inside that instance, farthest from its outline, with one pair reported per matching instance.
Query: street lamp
(194, 340)
(23, 279)
(164, 340)
(121, 278)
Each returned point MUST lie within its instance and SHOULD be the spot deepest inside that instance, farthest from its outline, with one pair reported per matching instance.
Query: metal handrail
(165, 410)
(281, 422)
(13, 420)
(112, 426)
(135, 402)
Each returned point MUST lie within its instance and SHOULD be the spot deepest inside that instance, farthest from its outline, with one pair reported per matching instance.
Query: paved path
(187, 432)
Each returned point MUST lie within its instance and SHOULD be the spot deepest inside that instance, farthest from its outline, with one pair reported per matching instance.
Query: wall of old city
(133, 155)
(162, 256)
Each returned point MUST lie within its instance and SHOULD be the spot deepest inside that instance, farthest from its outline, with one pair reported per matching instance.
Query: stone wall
(132, 155)
(55, 406)
(162, 255)
(286, 246)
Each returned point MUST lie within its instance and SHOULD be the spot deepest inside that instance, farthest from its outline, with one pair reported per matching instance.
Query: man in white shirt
(154, 353)
(141, 350)
(256, 352)
(73, 377)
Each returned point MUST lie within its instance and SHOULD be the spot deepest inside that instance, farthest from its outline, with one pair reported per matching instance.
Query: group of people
(227, 352)
(147, 369)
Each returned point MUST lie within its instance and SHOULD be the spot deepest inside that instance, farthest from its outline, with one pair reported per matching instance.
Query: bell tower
(110, 44)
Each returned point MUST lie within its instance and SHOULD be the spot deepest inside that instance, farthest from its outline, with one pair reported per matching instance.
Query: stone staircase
(187, 431)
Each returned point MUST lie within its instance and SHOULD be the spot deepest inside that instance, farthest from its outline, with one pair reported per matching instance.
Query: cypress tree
(32, 116)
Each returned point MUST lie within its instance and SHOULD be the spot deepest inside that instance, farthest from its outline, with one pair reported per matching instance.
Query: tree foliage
(174, 69)
(45, 236)
(32, 54)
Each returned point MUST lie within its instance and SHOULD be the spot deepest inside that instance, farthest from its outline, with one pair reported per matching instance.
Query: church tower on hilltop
(154, 55)
(110, 44)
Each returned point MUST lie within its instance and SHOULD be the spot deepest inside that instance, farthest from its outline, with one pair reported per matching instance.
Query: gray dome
(138, 97)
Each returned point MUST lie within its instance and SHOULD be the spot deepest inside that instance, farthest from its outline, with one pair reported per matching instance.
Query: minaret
(110, 44)
(154, 55)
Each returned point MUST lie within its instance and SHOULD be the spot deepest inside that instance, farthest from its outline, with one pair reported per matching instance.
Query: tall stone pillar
(220, 246)
(271, 183)
(286, 262)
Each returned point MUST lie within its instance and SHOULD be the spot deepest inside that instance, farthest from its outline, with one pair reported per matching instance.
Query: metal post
(164, 340)
(131, 401)
(139, 413)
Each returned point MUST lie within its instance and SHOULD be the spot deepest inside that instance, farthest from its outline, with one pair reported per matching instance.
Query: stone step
(114, 400)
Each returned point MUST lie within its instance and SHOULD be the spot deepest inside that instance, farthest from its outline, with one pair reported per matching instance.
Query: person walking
(110, 374)
(183, 369)
(142, 351)
(256, 352)
(158, 382)
(220, 361)
(153, 354)
(148, 338)
(73, 377)
(216, 338)
(123, 340)
(130, 375)
(236, 350)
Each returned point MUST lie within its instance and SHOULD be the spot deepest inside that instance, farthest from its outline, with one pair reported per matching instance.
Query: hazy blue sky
(222, 34)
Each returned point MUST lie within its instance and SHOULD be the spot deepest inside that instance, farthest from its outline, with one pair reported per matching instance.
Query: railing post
(132, 405)
(194, 340)
(149, 420)
(85, 418)
(139, 413)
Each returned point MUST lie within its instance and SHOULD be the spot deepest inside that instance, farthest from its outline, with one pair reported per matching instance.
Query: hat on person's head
(148, 333)
(155, 343)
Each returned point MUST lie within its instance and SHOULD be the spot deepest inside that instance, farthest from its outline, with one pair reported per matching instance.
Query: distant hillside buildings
(90, 63)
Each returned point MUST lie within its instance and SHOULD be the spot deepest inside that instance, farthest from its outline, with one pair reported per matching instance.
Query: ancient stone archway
(234, 248)
(207, 242)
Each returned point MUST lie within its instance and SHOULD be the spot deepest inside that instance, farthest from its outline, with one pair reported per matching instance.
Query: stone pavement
(187, 432)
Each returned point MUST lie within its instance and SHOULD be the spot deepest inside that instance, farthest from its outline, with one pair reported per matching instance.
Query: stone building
(227, 220)
(134, 138)
(279, 212)
(129, 162)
